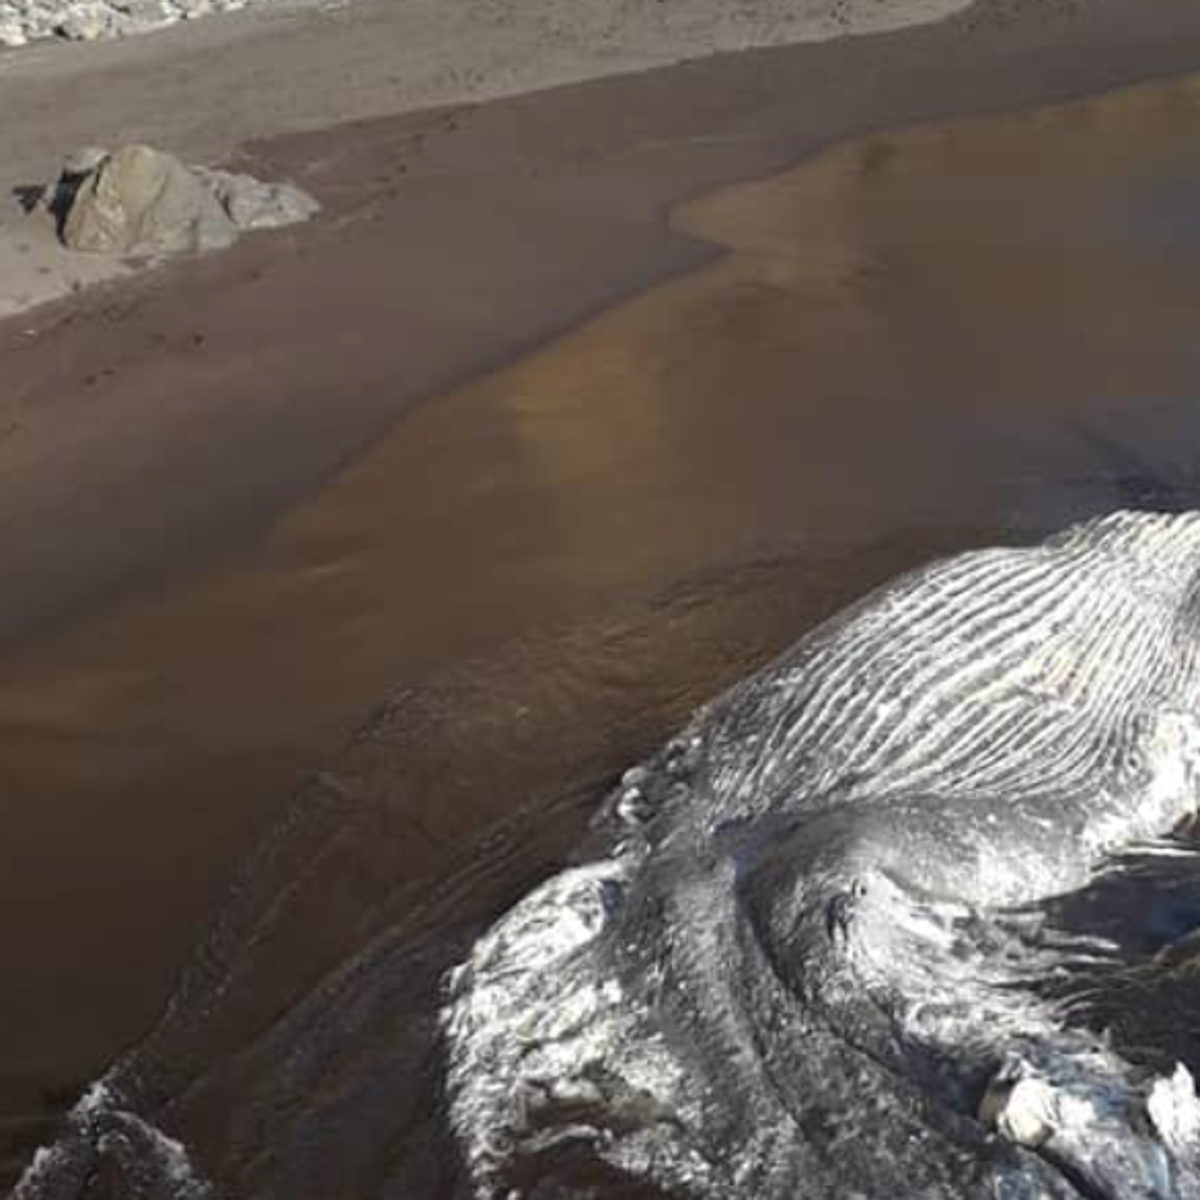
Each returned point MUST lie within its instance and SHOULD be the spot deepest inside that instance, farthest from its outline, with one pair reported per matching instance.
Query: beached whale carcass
(795, 963)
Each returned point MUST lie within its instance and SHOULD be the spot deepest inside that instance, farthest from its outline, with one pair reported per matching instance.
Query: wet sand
(145, 425)
(918, 342)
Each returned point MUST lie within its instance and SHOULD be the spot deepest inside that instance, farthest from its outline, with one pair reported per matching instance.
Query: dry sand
(201, 90)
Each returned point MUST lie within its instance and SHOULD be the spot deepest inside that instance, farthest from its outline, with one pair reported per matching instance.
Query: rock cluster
(138, 201)
(23, 21)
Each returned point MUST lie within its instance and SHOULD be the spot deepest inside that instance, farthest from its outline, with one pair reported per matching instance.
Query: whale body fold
(800, 958)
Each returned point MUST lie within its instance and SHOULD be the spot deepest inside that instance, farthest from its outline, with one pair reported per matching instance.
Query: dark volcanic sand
(559, 561)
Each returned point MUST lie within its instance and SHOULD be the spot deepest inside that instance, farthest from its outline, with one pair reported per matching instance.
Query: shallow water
(919, 342)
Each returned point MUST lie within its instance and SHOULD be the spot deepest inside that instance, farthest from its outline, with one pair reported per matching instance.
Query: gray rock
(145, 14)
(25, 21)
(141, 201)
(83, 161)
(12, 32)
(252, 204)
(58, 197)
(144, 202)
(88, 22)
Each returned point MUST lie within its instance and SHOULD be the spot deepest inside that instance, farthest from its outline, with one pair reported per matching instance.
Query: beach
(168, 439)
(284, 66)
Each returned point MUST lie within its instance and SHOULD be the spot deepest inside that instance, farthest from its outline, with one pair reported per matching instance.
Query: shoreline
(180, 413)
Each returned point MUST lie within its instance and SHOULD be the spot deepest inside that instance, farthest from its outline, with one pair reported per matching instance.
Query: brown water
(918, 342)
